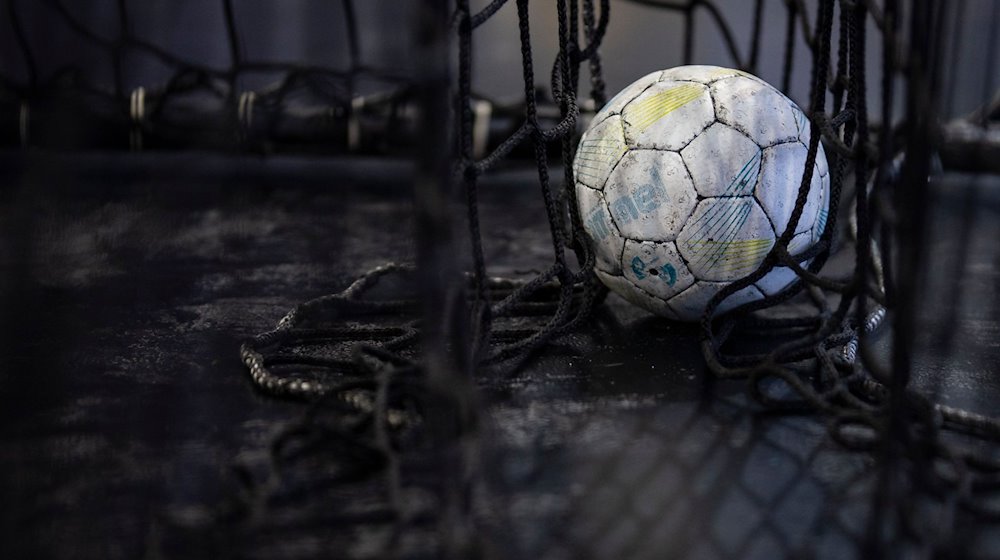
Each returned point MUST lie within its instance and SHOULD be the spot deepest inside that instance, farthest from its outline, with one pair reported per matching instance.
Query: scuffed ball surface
(684, 181)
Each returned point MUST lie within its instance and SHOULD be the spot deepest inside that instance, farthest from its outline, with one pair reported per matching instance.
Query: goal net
(410, 443)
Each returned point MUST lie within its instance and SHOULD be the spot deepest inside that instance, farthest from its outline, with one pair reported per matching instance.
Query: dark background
(640, 39)
(128, 281)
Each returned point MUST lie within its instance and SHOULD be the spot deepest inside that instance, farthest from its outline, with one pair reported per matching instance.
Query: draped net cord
(354, 356)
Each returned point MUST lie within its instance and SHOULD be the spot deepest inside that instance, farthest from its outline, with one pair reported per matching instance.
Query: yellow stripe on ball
(644, 113)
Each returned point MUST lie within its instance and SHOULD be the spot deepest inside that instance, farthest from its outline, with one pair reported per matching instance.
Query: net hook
(137, 114)
(245, 112)
(23, 119)
(483, 110)
(354, 124)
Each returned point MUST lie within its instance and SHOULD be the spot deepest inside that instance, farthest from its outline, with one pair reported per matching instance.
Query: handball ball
(685, 179)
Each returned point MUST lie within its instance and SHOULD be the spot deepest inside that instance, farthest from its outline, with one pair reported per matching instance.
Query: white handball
(684, 181)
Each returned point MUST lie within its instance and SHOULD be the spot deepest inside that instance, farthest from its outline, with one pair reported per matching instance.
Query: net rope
(355, 356)
(304, 108)
(870, 407)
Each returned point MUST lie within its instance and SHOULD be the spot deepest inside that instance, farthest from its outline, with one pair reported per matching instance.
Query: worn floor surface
(127, 285)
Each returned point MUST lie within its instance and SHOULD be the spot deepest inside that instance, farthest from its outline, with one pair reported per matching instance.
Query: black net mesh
(104, 100)
(393, 454)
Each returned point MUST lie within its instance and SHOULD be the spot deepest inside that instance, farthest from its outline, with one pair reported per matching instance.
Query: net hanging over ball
(682, 179)
(684, 236)
(794, 233)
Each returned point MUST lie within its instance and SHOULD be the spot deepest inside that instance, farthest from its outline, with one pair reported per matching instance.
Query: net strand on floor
(357, 356)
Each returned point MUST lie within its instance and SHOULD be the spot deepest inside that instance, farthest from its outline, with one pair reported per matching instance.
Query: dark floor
(127, 285)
